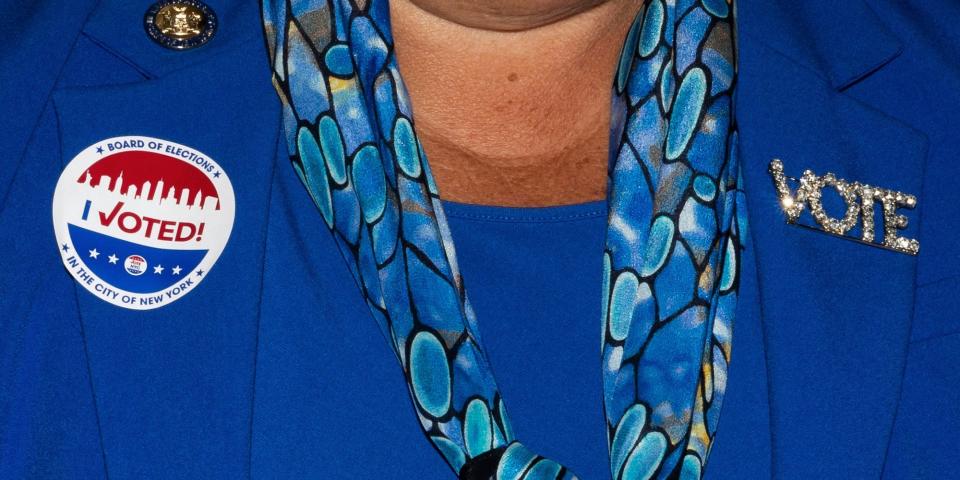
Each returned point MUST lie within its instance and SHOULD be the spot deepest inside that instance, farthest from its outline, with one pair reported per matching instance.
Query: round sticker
(140, 221)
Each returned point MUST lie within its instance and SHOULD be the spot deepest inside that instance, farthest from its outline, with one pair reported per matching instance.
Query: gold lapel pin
(180, 24)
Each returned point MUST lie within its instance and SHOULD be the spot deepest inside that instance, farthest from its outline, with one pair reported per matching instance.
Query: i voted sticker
(140, 221)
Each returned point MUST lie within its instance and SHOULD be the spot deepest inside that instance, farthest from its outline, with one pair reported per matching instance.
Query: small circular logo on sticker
(135, 265)
(140, 221)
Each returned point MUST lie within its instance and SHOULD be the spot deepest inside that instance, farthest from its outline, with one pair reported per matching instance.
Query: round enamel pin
(140, 221)
(180, 24)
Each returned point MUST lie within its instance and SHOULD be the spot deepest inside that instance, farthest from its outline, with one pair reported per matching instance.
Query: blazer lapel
(117, 26)
(211, 99)
(840, 41)
(25, 84)
(836, 313)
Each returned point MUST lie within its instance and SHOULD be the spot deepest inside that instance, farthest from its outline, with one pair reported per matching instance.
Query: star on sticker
(176, 270)
(65, 248)
(158, 269)
(113, 259)
(199, 273)
(100, 150)
(216, 174)
(94, 254)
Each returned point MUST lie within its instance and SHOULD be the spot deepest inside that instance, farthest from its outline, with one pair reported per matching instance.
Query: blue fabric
(843, 363)
(672, 252)
(863, 90)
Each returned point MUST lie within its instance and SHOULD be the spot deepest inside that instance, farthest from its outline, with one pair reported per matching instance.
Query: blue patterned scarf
(672, 246)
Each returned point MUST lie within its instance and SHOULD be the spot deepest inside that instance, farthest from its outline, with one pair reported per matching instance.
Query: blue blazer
(859, 341)
(856, 376)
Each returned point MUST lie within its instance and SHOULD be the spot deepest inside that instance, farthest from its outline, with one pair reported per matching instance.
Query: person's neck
(517, 111)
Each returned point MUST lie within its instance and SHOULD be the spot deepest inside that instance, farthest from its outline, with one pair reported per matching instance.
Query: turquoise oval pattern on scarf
(673, 240)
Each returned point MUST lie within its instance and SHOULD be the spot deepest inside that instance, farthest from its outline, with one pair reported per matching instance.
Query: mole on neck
(512, 97)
